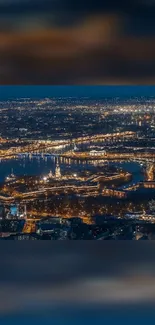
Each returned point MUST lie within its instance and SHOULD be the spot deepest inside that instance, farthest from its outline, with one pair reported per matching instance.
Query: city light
(84, 168)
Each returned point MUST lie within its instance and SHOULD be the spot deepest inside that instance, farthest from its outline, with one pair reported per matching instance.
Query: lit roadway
(64, 189)
(43, 145)
(109, 156)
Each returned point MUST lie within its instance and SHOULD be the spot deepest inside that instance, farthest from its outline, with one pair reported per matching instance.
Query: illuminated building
(25, 211)
(57, 170)
(97, 153)
(75, 147)
(13, 212)
(50, 175)
(150, 172)
(11, 177)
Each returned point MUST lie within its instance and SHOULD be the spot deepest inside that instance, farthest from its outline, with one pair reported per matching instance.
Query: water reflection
(42, 164)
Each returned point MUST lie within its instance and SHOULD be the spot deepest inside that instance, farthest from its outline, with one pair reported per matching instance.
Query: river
(42, 165)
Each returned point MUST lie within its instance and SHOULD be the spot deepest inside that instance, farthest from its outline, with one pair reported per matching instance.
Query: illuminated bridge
(46, 145)
(110, 155)
(65, 189)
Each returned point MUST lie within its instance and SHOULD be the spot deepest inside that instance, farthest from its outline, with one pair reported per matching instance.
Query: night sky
(8, 92)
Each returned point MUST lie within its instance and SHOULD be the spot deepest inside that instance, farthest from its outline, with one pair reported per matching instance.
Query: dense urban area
(77, 168)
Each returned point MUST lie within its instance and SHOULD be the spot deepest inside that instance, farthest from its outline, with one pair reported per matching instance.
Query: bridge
(110, 156)
(44, 146)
